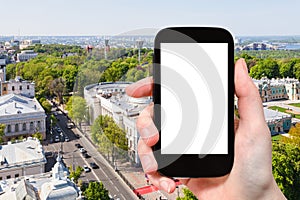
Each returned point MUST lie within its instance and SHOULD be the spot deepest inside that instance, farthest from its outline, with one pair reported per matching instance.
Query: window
(17, 128)
(39, 124)
(4, 89)
(8, 177)
(31, 126)
(16, 175)
(13, 88)
(20, 87)
(24, 127)
(27, 87)
(9, 128)
(0, 178)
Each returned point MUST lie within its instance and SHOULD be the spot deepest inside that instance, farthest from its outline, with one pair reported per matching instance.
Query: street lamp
(139, 44)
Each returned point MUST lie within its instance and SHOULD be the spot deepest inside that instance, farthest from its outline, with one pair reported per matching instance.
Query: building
(21, 159)
(45, 186)
(22, 116)
(26, 55)
(27, 43)
(110, 99)
(277, 122)
(2, 70)
(275, 89)
(18, 86)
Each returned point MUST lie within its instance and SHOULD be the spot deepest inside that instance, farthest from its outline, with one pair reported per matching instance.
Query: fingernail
(165, 186)
(147, 163)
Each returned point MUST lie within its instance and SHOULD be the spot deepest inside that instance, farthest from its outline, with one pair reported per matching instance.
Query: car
(86, 168)
(77, 136)
(86, 155)
(82, 150)
(67, 139)
(56, 138)
(94, 165)
(58, 130)
(48, 153)
(78, 145)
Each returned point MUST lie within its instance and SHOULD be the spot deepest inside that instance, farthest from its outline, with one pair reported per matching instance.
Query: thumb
(249, 101)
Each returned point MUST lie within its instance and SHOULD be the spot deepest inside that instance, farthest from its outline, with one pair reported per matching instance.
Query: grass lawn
(276, 137)
(295, 104)
(280, 109)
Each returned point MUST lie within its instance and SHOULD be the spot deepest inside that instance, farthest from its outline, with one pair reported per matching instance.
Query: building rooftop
(12, 104)
(27, 152)
(274, 115)
(41, 186)
(114, 92)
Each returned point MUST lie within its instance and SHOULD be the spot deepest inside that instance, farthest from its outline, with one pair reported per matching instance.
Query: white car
(82, 150)
(56, 138)
(86, 168)
(67, 139)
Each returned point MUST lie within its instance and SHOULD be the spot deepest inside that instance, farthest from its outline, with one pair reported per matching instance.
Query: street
(72, 157)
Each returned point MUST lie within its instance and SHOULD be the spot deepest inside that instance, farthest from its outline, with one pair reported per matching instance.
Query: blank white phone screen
(190, 74)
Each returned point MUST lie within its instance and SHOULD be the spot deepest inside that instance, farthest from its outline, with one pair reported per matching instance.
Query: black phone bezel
(192, 165)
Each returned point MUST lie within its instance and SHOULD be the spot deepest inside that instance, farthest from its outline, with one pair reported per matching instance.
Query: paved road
(72, 157)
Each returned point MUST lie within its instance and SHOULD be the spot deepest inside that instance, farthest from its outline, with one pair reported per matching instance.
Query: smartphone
(193, 95)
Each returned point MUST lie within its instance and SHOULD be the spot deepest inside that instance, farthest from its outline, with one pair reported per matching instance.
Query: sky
(112, 17)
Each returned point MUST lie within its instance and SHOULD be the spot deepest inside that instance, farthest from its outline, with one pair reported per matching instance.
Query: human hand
(251, 176)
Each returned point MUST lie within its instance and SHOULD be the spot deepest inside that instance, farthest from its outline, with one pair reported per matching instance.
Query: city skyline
(58, 18)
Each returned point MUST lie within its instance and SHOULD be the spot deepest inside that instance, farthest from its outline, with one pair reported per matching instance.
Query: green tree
(297, 71)
(77, 109)
(38, 136)
(75, 174)
(57, 87)
(286, 168)
(266, 67)
(188, 195)
(110, 138)
(47, 106)
(96, 191)
(2, 134)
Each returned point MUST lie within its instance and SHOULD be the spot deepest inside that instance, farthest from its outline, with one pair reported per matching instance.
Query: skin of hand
(251, 176)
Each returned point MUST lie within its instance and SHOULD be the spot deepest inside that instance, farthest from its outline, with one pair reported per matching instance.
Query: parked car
(86, 155)
(86, 168)
(58, 130)
(82, 150)
(56, 138)
(67, 139)
(94, 165)
(78, 145)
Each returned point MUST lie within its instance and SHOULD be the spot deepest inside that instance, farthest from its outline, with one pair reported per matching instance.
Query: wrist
(272, 192)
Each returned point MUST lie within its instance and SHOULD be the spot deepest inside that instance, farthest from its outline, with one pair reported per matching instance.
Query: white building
(274, 89)
(110, 99)
(47, 186)
(18, 86)
(22, 116)
(21, 159)
(277, 122)
(26, 55)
